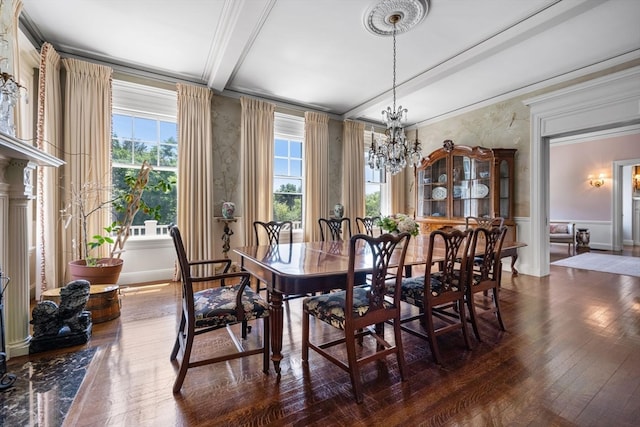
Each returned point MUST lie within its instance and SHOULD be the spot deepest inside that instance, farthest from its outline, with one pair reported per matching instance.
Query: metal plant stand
(6, 379)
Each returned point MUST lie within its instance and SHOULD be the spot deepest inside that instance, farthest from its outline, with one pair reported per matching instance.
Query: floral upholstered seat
(217, 306)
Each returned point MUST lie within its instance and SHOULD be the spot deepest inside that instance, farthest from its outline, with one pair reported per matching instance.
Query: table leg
(275, 307)
(513, 253)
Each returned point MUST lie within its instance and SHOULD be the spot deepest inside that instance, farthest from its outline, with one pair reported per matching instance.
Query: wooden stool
(103, 303)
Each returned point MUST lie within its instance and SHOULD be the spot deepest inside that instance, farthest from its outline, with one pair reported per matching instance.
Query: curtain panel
(195, 171)
(49, 267)
(87, 146)
(316, 161)
(353, 169)
(256, 154)
(398, 198)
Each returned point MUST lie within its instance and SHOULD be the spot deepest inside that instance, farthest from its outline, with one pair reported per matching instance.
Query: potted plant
(92, 198)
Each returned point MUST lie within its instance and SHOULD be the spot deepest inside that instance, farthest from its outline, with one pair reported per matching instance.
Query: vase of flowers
(399, 223)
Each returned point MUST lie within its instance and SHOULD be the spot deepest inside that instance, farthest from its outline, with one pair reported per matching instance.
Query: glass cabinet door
(504, 181)
(471, 187)
(432, 190)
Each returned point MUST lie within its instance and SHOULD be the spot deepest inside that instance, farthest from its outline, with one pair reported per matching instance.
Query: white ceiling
(318, 54)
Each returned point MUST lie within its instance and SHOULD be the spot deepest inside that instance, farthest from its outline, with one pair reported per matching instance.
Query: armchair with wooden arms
(224, 300)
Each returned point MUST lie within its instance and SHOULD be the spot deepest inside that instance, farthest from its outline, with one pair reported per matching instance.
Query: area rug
(44, 389)
(617, 264)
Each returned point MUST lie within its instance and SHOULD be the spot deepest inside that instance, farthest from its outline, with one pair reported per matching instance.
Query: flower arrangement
(399, 223)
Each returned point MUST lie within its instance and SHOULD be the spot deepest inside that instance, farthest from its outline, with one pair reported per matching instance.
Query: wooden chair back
(334, 228)
(365, 225)
(274, 231)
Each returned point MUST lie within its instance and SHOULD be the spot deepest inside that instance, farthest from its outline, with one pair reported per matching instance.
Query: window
(145, 135)
(376, 188)
(288, 176)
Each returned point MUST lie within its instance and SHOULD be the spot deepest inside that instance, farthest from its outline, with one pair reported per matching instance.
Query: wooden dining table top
(309, 259)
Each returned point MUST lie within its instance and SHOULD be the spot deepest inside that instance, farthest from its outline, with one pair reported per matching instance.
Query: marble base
(44, 389)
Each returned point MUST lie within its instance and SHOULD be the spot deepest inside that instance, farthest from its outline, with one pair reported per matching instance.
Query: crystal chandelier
(392, 153)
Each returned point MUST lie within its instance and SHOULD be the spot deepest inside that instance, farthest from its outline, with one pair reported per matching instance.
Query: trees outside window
(288, 169)
(135, 139)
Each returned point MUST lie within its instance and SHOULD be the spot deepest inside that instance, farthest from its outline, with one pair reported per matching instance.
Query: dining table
(310, 267)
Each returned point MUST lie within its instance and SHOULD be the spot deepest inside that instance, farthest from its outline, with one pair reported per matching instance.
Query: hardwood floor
(570, 356)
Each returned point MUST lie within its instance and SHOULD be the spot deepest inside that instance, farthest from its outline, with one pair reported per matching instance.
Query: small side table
(582, 238)
(227, 232)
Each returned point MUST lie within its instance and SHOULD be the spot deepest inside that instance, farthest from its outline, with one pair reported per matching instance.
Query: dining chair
(483, 222)
(440, 294)
(356, 309)
(334, 228)
(212, 301)
(365, 225)
(485, 275)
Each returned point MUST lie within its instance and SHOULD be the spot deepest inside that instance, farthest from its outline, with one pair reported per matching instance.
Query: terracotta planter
(107, 272)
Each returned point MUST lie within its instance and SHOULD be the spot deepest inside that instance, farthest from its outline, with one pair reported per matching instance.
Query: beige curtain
(256, 154)
(398, 188)
(316, 191)
(195, 171)
(353, 169)
(87, 145)
(49, 267)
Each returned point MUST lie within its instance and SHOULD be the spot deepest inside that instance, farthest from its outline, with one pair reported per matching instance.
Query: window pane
(281, 167)
(168, 132)
(122, 126)
(282, 148)
(287, 207)
(296, 149)
(145, 129)
(372, 199)
(287, 185)
(296, 168)
(168, 155)
(121, 150)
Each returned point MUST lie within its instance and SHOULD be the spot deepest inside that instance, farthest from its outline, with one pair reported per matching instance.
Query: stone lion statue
(51, 319)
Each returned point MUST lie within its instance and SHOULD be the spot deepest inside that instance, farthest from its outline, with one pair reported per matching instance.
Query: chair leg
(463, 321)
(472, 315)
(431, 336)
(496, 301)
(305, 335)
(184, 364)
(399, 349)
(354, 369)
(176, 346)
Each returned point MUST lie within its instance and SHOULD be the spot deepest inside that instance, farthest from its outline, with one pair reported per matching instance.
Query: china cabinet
(457, 181)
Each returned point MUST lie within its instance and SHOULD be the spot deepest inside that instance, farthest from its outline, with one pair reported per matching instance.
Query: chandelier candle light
(393, 153)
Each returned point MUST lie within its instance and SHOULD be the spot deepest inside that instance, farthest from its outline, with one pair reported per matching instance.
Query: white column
(19, 177)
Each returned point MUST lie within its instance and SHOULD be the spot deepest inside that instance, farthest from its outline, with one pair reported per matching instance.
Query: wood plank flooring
(570, 357)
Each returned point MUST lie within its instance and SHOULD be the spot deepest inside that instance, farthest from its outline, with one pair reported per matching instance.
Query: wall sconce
(597, 182)
(636, 182)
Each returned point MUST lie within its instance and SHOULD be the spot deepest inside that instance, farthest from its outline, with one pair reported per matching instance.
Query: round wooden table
(104, 303)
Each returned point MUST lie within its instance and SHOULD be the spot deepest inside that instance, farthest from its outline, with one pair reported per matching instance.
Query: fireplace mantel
(18, 160)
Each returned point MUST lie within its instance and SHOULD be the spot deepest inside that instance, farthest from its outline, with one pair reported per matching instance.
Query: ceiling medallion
(378, 19)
